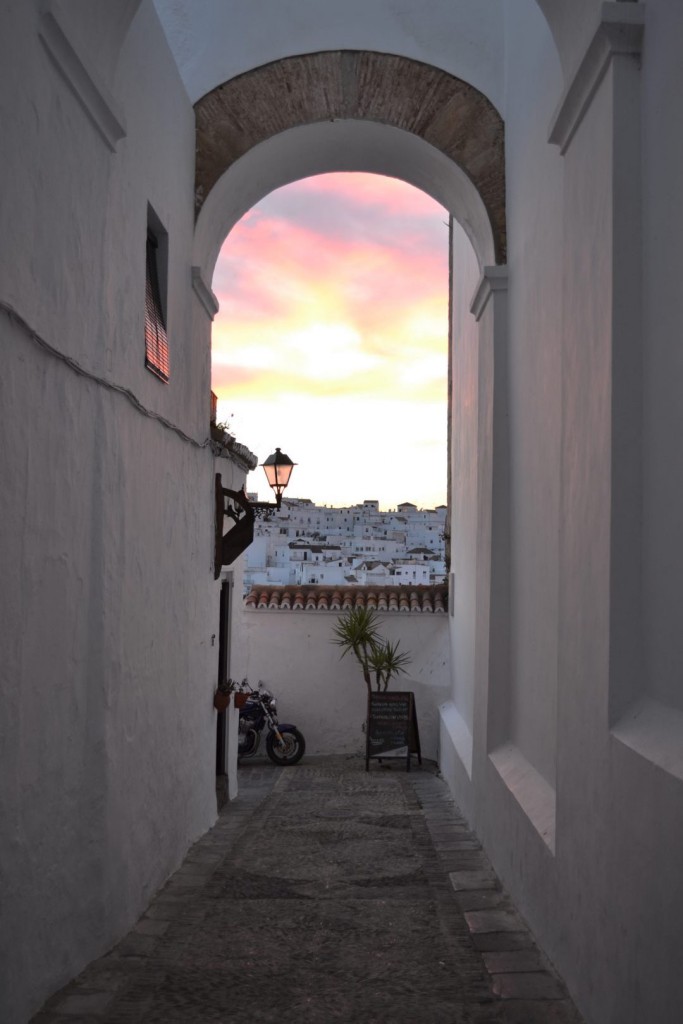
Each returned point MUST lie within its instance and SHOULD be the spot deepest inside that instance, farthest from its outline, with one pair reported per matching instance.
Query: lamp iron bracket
(243, 512)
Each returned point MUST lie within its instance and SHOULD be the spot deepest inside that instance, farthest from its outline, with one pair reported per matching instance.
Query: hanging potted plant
(223, 694)
(242, 694)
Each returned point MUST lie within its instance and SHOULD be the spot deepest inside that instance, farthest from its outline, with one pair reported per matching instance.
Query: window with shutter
(156, 341)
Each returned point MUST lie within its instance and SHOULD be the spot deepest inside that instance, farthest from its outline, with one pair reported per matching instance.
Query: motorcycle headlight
(273, 704)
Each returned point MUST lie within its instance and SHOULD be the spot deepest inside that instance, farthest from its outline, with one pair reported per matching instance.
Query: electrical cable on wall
(16, 318)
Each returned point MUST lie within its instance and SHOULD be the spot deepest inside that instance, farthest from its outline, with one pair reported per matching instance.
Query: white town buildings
(307, 544)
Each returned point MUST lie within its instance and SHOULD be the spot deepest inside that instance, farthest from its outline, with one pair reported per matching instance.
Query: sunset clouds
(331, 341)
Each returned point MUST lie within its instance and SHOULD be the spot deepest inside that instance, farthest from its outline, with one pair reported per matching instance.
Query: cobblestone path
(326, 894)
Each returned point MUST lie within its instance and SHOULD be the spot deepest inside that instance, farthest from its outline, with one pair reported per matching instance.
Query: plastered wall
(325, 695)
(465, 481)
(107, 731)
(575, 786)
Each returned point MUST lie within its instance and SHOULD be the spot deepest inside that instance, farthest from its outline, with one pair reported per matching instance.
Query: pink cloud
(270, 267)
(373, 190)
(335, 287)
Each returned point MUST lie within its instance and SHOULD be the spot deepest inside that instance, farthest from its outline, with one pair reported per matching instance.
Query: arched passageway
(100, 126)
(374, 112)
(444, 111)
(340, 111)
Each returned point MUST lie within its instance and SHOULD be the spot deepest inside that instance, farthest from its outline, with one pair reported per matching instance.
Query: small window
(156, 340)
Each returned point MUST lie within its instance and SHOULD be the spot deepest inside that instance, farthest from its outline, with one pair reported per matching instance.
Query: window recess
(156, 339)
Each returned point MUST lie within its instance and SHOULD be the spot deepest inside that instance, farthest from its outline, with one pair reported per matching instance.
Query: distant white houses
(358, 545)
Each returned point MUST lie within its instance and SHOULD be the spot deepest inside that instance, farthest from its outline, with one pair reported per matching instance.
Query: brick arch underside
(443, 110)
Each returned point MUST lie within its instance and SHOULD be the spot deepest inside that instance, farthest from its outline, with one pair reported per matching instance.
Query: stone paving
(326, 894)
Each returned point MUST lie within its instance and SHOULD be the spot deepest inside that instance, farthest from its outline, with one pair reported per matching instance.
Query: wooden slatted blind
(156, 341)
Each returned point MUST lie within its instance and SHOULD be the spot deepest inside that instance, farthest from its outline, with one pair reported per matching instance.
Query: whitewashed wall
(662, 78)
(465, 527)
(507, 782)
(535, 249)
(576, 785)
(468, 34)
(108, 602)
(325, 695)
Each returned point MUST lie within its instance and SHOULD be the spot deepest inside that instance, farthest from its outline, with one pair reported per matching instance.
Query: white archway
(338, 146)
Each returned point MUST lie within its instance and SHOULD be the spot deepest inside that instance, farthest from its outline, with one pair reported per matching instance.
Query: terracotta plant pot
(241, 699)
(221, 701)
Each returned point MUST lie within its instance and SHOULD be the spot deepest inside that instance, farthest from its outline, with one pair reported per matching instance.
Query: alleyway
(325, 894)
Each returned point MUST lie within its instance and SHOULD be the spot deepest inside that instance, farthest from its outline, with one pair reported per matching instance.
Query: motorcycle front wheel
(289, 751)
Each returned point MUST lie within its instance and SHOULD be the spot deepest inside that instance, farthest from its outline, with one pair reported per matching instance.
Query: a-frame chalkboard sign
(391, 729)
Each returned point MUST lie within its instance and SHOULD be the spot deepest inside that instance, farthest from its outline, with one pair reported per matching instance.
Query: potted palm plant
(357, 632)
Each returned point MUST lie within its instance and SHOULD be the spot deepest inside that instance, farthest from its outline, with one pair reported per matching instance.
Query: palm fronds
(357, 631)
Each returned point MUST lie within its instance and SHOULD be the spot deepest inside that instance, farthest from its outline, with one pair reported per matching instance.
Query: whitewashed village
(307, 544)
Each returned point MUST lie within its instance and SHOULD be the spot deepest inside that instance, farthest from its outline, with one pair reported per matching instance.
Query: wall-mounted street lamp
(278, 469)
(235, 504)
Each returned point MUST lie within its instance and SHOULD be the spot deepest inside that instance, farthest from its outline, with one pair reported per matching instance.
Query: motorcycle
(285, 745)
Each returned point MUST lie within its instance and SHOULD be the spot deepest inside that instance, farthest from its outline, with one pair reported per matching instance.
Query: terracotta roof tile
(418, 600)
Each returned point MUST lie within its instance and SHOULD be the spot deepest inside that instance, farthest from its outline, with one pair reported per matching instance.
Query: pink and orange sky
(332, 338)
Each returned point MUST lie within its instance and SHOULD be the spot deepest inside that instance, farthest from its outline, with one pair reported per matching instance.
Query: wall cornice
(493, 279)
(98, 104)
(201, 289)
(619, 32)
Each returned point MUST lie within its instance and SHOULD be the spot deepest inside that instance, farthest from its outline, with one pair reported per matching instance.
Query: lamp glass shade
(278, 469)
